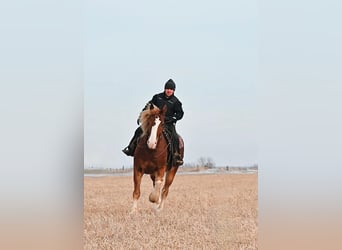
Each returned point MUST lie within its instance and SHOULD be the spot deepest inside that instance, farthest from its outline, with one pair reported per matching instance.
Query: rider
(173, 114)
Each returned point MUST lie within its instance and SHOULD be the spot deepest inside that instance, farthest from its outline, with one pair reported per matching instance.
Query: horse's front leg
(170, 175)
(158, 182)
(136, 193)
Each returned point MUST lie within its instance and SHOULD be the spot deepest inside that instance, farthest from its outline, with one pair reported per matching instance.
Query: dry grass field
(200, 212)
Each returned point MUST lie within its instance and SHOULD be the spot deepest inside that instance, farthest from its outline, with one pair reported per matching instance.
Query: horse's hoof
(159, 209)
(153, 198)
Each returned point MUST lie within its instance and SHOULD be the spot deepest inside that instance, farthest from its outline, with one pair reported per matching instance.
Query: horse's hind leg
(136, 193)
(170, 175)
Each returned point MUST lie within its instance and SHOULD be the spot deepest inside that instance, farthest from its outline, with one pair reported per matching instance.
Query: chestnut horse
(151, 155)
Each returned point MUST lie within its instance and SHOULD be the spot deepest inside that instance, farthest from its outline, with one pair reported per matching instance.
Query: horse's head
(152, 122)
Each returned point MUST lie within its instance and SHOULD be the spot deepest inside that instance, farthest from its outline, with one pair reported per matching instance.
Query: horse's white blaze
(152, 140)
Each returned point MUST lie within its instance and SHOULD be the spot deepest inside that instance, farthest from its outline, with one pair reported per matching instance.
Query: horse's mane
(145, 117)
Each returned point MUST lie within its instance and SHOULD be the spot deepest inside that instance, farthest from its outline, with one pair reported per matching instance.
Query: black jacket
(174, 106)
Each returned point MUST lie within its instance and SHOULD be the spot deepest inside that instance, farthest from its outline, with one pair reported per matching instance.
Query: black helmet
(170, 84)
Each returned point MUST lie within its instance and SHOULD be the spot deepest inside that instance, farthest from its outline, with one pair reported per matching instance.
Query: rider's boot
(129, 150)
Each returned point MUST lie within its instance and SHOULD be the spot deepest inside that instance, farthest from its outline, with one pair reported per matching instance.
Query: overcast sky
(209, 49)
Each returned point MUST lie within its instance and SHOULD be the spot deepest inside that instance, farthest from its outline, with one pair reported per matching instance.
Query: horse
(151, 157)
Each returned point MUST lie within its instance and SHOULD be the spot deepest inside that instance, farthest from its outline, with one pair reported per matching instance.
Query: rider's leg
(175, 146)
(177, 155)
(129, 150)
